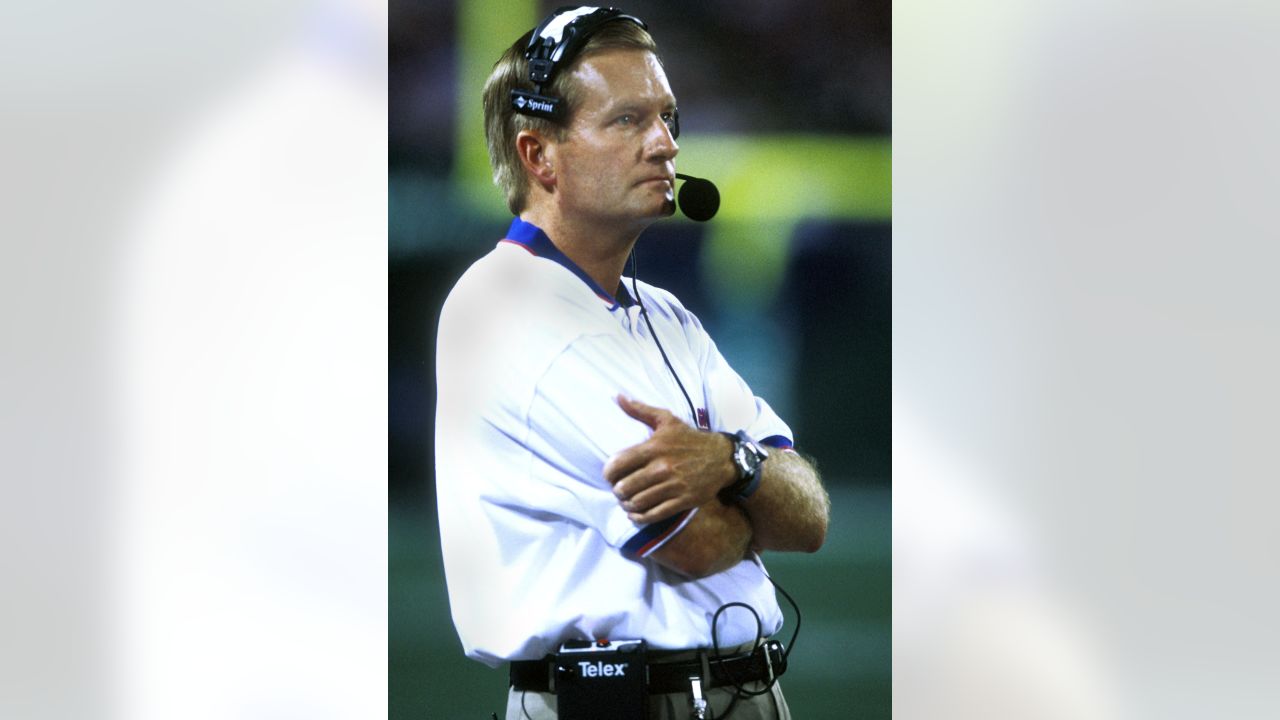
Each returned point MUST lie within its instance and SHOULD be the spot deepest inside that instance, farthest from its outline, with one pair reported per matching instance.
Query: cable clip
(699, 702)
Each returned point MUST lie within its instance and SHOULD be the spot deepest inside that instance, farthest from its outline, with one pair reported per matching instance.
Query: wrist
(747, 458)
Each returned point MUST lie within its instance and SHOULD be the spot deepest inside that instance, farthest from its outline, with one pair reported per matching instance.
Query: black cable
(740, 691)
(645, 314)
(522, 708)
(791, 645)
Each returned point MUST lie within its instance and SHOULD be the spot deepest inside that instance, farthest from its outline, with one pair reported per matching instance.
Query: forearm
(716, 539)
(790, 509)
(680, 467)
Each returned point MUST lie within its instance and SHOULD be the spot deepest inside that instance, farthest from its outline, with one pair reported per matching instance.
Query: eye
(626, 119)
(672, 121)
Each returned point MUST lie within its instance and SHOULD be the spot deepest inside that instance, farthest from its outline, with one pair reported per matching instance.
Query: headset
(552, 46)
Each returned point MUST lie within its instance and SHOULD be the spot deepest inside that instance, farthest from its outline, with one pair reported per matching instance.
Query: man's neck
(601, 251)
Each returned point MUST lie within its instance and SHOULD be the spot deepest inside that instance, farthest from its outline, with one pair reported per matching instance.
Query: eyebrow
(621, 105)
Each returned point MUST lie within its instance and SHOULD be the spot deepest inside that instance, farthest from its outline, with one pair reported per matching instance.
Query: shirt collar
(533, 239)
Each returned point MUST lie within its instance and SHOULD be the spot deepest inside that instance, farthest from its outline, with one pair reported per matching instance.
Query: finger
(639, 480)
(660, 512)
(625, 462)
(655, 495)
(647, 414)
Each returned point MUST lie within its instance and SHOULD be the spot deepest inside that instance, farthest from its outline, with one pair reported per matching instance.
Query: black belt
(672, 677)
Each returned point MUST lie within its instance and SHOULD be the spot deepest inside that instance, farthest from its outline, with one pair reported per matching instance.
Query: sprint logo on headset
(528, 103)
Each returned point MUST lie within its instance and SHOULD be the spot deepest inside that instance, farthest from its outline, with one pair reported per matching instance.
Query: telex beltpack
(601, 680)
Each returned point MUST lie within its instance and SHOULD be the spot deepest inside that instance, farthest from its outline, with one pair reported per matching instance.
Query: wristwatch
(748, 457)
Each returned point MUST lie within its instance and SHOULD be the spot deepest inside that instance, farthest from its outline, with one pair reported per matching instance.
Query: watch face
(747, 455)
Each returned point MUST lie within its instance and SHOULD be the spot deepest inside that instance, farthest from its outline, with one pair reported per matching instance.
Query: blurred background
(198, 356)
(787, 108)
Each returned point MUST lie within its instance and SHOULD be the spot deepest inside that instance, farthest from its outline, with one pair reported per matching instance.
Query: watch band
(748, 458)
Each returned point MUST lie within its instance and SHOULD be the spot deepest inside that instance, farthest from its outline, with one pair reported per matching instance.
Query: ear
(536, 155)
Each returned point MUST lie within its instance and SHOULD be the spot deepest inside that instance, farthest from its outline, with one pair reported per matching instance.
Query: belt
(766, 663)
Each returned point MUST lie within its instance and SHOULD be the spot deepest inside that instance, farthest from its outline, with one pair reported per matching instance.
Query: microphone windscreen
(699, 199)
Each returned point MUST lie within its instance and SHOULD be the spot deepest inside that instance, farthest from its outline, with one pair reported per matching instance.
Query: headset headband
(553, 44)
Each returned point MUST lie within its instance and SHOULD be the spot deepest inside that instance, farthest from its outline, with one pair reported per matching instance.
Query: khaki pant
(522, 705)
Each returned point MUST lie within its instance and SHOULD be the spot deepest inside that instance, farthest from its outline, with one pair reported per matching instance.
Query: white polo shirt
(530, 357)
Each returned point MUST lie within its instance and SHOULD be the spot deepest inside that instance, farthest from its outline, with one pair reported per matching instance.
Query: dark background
(814, 340)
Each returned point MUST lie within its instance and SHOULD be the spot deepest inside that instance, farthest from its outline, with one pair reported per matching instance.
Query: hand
(678, 468)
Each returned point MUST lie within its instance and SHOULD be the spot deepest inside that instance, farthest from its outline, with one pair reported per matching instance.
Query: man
(597, 463)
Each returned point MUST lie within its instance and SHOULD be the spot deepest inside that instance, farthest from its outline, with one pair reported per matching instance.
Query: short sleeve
(735, 407)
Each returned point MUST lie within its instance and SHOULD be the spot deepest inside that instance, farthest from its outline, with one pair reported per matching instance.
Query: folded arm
(790, 510)
(680, 467)
(717, 538)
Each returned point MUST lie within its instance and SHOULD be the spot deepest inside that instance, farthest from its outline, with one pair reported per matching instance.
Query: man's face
(616, 163)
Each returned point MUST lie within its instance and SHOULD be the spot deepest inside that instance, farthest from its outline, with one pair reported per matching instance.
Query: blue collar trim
(532, 238)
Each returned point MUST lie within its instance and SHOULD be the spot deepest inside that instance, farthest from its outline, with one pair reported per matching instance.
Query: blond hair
(502, 123)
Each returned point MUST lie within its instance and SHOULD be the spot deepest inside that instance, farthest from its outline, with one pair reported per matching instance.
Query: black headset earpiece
(553, 44)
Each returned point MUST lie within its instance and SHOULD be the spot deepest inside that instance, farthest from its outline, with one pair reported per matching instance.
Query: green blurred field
(840, 669)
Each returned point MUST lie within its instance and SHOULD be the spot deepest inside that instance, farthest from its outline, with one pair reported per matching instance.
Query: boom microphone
(699, 199)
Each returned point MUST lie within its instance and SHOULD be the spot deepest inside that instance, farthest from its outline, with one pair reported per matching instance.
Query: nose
(661, 144)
